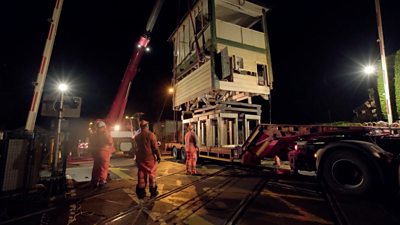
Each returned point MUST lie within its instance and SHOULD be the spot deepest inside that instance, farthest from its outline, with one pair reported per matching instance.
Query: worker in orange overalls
(101, 146)
(147, 157)
(191, 151)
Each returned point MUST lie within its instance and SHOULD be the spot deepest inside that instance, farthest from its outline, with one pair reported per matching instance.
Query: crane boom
(118, 107)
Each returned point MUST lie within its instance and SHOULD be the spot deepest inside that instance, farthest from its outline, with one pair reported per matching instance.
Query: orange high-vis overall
(146, 162)
(191, 155)
(102, 146)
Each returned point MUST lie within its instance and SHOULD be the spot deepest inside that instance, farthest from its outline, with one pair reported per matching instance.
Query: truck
(354, 160)
(168, 133)
(351, 159)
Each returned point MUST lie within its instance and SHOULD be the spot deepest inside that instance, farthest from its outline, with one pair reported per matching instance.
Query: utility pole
(44, 65)
(62, 88)
(383, 59)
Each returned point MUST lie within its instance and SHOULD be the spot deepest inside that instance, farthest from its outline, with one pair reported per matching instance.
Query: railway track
(93, 193)
(376, 208)
(73, 201)
(340, 216)
(347, 209)
(228, 195)
(190, 205)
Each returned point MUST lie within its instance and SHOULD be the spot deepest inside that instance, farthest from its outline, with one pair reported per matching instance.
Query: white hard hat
(101, 124)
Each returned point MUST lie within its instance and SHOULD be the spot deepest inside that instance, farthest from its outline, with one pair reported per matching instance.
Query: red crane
(117, 110)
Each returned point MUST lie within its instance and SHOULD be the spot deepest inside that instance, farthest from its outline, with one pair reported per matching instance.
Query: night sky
(317, 46)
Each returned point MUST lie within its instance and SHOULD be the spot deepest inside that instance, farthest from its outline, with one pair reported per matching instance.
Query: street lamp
(62, 87)
(171, 91)
(369, 70)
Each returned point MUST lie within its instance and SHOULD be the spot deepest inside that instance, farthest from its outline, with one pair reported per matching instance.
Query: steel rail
(167, 175)
(97, 192)
(204, 198)
(293, 188)
(245, 203)
(132, 209)
(337, 210)
(27, 215)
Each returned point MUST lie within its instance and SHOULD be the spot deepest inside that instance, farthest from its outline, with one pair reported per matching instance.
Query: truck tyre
(348, 172)
(183, 154)
(175, 153)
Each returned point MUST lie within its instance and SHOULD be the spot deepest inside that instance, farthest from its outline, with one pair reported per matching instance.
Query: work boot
(102, 184)
(140, 192)
(94, 183)
(153, 191)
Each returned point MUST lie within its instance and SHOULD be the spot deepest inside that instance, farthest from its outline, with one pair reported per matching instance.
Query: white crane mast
(44, 65)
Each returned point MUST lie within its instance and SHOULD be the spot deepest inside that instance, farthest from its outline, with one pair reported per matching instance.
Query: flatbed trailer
(354, 160)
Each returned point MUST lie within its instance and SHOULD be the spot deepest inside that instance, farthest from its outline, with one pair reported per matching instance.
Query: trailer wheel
(348, 172)
(175, 153)
(183, 154)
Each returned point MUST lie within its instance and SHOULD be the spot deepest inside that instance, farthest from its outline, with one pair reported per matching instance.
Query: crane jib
(118, 107)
